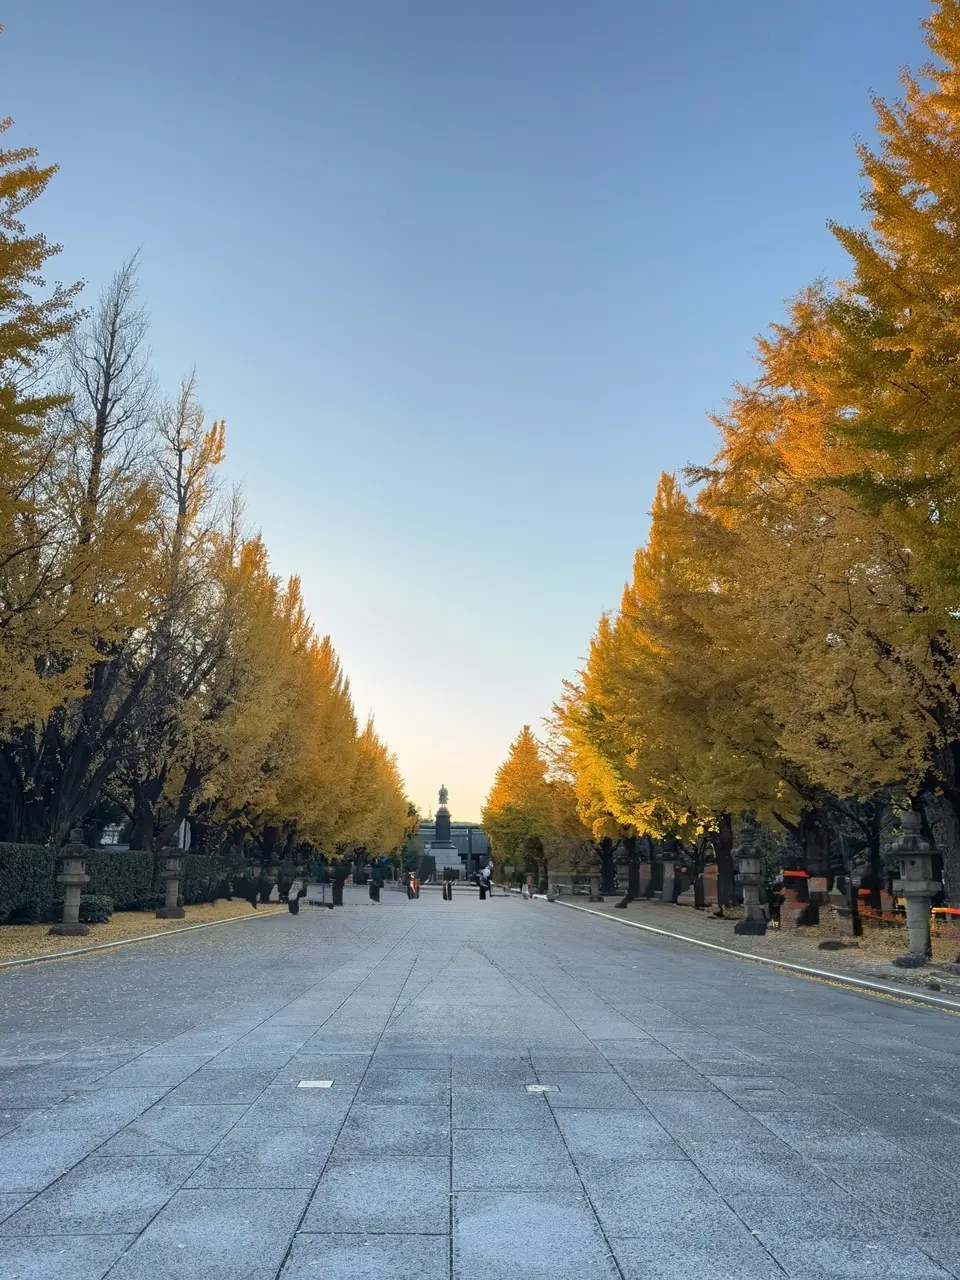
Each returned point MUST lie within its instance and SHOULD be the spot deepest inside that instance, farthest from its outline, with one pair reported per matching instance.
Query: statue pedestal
(446, 856)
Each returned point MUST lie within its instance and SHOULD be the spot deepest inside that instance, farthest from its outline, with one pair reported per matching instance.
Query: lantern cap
(911, 839)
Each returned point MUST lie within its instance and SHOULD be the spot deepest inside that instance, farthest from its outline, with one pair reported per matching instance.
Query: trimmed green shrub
(125, 875)
(201, 877)
(27, 888)
(95, 908)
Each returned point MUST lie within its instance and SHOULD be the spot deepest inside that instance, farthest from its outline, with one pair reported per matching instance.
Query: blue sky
(463, 276)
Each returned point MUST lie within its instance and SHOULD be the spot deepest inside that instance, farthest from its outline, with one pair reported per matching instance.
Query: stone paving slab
(212, 1234)
(704, 1246)
(396, 1130)
(635, 1134)
(31, 1161)
(369, 1257)
(73, 1257)
(499, 1107)
(177, 1130)
(484, 1158)
(383, 1195)
(713, 1122)
(104, 1195)
(539, 1235)
(628, 1196)
(260, 1156)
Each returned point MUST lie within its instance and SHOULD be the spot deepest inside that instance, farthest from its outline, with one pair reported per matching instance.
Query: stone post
(172, 876)
(917, 885)
(750, 878)
(711, 877)
(669, 882)
(73, 877)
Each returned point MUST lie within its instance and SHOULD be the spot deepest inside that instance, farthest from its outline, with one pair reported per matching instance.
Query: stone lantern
(172, 875)
(750, 878)
(917, 886)
(73, 876)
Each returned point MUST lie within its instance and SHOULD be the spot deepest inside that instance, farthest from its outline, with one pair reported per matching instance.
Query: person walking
(293, 898)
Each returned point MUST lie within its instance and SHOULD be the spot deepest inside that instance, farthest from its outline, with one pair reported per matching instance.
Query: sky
(463, 277)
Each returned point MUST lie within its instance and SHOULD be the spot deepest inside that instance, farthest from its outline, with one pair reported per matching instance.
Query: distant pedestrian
(293, 898)
(485, 882)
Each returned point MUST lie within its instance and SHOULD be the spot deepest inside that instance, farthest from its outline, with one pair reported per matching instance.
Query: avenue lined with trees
(153, 667)
(784, 656)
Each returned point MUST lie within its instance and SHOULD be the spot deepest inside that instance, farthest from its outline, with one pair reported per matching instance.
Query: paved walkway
(871, 957)
(712, 1120)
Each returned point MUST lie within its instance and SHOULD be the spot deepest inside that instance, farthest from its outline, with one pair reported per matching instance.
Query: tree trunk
(873, 879)
(815, 831)
(651, 851)
(945, 821)
(631, 845)
(725, 868)
(943, 808)
(608, 869)
(699, 862)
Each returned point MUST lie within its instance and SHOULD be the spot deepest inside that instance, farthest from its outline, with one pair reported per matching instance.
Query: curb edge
(126, 942)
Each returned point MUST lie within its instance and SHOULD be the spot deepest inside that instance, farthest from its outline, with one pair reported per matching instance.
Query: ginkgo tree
(787, 645)
(153, 666)
(518, 812)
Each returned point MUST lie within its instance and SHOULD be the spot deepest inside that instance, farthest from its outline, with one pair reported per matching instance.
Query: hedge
(204, 878)
(131, 878)
(27, 888)
(128, 876)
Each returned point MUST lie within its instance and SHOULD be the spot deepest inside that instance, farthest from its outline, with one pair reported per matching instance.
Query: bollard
(172, 876)
(917, 886)
(73, 877)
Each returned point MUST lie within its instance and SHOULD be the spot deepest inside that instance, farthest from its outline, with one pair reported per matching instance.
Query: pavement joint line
(807, 971)
(125, 942)
(298, 1229)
